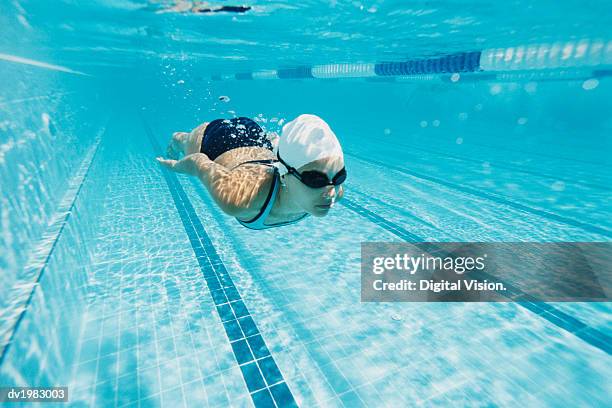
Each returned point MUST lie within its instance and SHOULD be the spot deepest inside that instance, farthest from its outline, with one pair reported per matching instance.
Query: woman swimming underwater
(262, 185)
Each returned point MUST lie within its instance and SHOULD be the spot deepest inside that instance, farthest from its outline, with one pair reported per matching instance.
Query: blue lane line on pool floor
(23, 291)
(261, 374)
(496, 164)
(560, 319)
(497, 198)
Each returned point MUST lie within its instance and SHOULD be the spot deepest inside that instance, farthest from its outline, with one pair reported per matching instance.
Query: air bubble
(396, 317)
(486, 168)
(45, 119)
(423, 123)
(459, 140)
(455, 77)
(495, 89)
(590, 84)
(435, 123)
(387, 131)
(224, 98)
(558, 186)
(521, 121)
(531, 87)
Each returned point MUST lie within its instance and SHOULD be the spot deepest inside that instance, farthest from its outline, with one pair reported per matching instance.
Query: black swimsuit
(222, 135)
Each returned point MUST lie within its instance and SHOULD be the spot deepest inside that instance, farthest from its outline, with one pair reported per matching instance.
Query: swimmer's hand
(167, 163)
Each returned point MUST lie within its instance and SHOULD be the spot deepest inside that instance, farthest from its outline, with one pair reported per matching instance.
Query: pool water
(125, 282)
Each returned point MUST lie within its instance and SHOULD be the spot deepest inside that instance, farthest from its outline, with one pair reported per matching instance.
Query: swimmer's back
(249, 183)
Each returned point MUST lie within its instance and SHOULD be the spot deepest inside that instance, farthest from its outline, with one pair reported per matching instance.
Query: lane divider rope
(545, 61)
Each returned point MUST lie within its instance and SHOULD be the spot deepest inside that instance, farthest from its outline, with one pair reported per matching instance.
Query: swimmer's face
(317, 201)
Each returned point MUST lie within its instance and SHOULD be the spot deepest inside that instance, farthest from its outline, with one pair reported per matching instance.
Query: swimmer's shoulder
(246, 186)
(253, 182)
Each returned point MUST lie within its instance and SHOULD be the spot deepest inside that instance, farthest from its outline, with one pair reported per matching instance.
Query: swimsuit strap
(259, 221)
(270, 162)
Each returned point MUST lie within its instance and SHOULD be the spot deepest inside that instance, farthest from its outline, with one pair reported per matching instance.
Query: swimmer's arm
(199, 130)
(192, 164)
(235, 191)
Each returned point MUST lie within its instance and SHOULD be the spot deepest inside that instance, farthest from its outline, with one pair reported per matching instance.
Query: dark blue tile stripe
(259, 370)
(560, 319)
(493, 197)
(377, 219)
(496, 164)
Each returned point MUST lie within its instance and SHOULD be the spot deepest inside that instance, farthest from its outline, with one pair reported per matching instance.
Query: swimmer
(185, 6)
(263, 180)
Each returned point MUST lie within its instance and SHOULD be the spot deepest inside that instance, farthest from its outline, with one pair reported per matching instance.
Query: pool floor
(145, 325)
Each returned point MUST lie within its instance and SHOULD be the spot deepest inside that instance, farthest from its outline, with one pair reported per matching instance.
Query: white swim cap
(305, 139)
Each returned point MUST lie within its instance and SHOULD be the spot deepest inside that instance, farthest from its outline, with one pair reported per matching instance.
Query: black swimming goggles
(314, 178)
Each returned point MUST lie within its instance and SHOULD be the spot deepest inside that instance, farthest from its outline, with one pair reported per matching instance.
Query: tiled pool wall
(43, 134)
(42, 351)
(47, 139)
